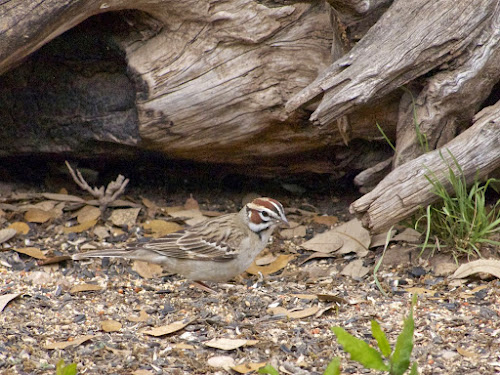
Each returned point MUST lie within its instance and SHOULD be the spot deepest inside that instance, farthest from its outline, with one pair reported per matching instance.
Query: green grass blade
(333, 367)
(385, 137)
(359, 350)
(383, 343)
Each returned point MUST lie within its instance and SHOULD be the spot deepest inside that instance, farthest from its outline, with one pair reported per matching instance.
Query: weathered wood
(199, 80)
(451, 97)
(405, 189)
(409, 40)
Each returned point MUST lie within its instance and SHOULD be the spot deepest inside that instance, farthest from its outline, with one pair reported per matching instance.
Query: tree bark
(406, 188)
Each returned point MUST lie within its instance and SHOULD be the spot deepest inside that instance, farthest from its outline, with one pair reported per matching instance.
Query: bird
(217, 249)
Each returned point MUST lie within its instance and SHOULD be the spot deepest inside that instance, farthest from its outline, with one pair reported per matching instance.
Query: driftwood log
(197, 80)
(266, 87)
(401, 192)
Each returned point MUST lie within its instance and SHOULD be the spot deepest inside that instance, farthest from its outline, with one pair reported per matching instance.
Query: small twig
(104, 195)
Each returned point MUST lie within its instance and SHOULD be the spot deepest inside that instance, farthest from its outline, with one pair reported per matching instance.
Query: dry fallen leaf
(297, 231)
(142, 372)
(229, 344)
(6, 234)
(280, 263)
(160, 228)
(66, 344)
(355, 269)
(349, 237)
(265, 260)
(85, 288)
(143, 316)
(381, 238)
(124, 217)
(147, 270)
(169, 328)
(87, 213)
(300, 314)
(32, 252)
(6, 298)
(245, 368)
(20, 227)
(326, 220)
(191, 204)
(190, 217)
(294, 314)
(110, 325)
(490, 266)
(466, 353)
(81, 227)
(36, 215)
(63, 197)
(408, 235)
(222, 361)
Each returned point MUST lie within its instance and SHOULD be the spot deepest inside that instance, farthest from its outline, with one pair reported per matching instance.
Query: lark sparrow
(214, 250)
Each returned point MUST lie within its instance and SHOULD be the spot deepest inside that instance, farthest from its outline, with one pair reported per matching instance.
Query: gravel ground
(283, 318)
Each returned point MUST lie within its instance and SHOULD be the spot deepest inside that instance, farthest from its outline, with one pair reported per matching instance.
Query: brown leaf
(147, 270)
(6, 234)
(190, 217)
(142, 372)
(110, 325)
(160, 228)
(289, 233)
(229, 344)
(300, 314)
(6, 298)
(169, 328)
(81, 227)
(408, 235)
(466, 353)
(66, 344)
(346, 238)
(124, 216)
(381, 238)
(20, 227)
(265, 260)
(87, 213)
(149, 204)
(297, 314)
(191, 204)
(280, 263)
(63, 197)
(355, 269)
(36, 215)
(85, 288)
(143, 316)
(489, 266)
(245, 368)
(326, 220)
(331, 298)
(32, 252)
(317, 255)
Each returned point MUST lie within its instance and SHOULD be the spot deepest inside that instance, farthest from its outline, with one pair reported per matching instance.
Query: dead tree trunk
(405, 189)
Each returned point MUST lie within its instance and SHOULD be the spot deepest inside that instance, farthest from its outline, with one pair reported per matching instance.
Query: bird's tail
(112, 253)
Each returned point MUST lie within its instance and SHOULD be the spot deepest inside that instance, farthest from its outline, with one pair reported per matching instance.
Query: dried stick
(104, 195)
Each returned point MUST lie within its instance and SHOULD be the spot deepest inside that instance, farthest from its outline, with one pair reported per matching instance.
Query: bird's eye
(264, 214)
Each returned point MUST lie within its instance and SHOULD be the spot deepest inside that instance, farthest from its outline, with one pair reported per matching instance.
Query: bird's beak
(285, 222)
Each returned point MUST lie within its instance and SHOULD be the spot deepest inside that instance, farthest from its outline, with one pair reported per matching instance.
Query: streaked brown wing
(188, 245)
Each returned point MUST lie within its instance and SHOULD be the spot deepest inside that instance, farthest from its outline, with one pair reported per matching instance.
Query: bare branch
(104, 195)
